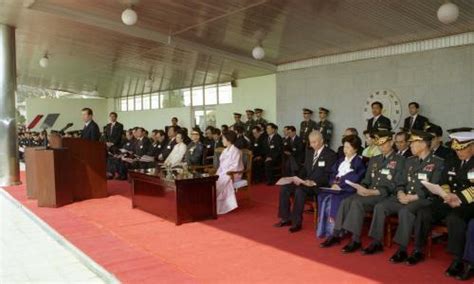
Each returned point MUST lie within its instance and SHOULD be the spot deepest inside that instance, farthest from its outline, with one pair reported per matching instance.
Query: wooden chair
(246, 181)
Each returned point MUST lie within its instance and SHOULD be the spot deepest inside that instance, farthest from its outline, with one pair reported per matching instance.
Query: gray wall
(440, 80)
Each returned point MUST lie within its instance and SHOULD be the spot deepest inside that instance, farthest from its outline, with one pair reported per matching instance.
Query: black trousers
(457, 222)
(258, 170)
(426, 217)
(270, 170)
(301, 193)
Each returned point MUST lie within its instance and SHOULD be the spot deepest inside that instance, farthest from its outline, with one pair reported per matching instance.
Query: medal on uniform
(272, 146)
(208, 146)
(409, 178)
(372, 175)
(389, 177)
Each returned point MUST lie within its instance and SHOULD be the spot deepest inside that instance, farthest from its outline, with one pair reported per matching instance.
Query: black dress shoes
(399, 256)
(373, 248)
(351, 247)
(282, 224)
(468, 272)
(455, 269)
(415, 257)
(294, 229)
(330, 242)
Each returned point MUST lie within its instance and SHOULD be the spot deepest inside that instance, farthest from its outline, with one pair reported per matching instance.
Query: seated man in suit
(273, 152)
(91, 130)
(415, 120)
(158, 143)
(402, 145)
(378, 120)
(315, 172)
(242, 141)
(293, 152)
(208, 143)
(194, 151)
(172, 131)
(113, 131)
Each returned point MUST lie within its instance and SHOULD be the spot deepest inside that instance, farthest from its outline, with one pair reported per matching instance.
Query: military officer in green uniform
(411, 196)
(324, 125)
(250, 123)
(237, 121)
(383, 174)
(307, 125)
(259, 119)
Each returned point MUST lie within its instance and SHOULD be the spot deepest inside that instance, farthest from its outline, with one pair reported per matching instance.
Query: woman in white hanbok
(177, 154)
(230, 160)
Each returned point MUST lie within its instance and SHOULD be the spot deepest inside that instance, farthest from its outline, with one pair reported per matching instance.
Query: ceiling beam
(135, 31)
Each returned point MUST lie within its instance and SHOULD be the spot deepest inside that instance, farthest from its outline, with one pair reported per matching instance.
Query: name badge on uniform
(385, 171)
(294, 149)
(255, 145)
(128, 144)
(451, 173)
(272, 146)
(169, 147)
(141, 146)
(321, 163)
(159, 146)
(470, 175)
(208, 146)
(422, 176)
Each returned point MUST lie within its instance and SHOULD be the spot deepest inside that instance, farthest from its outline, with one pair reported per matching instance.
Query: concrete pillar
(9, 167)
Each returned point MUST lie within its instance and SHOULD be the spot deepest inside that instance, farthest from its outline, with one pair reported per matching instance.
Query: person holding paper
(315, 173)
(456, 202)
(383, 173)
(351, 168)
(410, 197)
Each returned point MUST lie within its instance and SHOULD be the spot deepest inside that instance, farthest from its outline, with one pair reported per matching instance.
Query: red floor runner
(241, 246)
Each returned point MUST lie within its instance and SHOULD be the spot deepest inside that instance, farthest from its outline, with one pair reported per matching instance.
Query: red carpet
(241, 246)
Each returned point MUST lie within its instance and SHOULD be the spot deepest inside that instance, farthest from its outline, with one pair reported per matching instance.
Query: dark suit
(167, 150)
(381, 122)
(91, 131)
(444, 152)
(406, 154)
(419, 123)
(293, 161)
(318, 172)
(273, 150)
(241, 142)
(193, 156)
(258, 164)
(114, 134)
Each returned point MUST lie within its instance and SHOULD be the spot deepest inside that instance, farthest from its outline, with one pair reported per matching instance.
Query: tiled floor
(30, 254)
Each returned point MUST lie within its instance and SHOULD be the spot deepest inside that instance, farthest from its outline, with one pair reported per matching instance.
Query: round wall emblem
(391, 106)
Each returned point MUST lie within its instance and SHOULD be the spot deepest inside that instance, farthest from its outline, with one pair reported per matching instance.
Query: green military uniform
(248, 125)
(260, 120)
(306, 127)
(326, 128)
(383, 174)
(415, 171)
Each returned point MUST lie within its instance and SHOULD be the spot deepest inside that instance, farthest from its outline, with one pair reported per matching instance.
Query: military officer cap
(419, 135)
(461, 140)
(237, 114)
(250, 111)
(435, 130)
(383, 136)
(307, 110)
(258, 110)
(324, 110)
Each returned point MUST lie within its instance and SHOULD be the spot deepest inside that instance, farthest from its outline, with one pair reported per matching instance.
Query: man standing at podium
(91, 130)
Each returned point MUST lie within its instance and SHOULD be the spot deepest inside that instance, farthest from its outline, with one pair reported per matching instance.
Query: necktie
(111, 129)
(412, 121)
(375, 120)
(315, 158)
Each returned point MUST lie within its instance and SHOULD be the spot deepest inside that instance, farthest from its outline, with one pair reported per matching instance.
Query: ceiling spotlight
(258, 52)
(129, 17)
(148, 83)
(448, 13)
(44, 61)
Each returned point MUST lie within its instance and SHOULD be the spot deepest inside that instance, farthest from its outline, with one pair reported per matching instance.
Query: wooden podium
(74, 172)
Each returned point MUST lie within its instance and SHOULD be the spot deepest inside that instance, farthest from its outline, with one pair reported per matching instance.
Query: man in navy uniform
(378, 121)
(259, 119)
(415, 120)
(307, 125)
(91, 130)
(315, 172)
(273, 152)
(324, 125)
(410, 197)
(113, 131)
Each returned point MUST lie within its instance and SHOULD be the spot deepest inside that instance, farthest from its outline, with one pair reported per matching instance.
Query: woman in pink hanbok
(230, 160)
